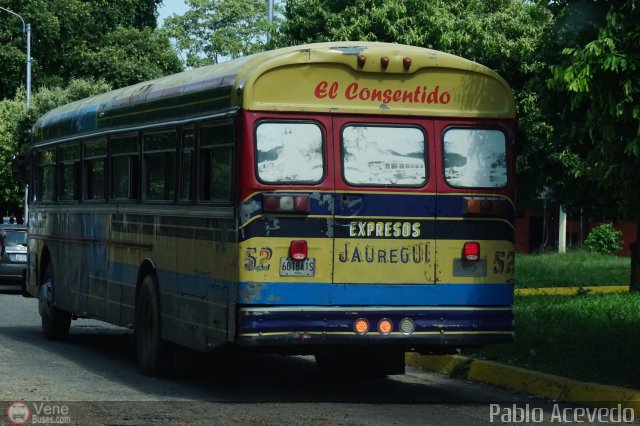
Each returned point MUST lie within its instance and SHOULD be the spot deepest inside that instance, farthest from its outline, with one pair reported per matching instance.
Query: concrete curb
(571, 291)
(535, 383)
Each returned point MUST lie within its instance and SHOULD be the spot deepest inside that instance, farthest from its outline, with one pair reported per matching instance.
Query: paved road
(92, 378)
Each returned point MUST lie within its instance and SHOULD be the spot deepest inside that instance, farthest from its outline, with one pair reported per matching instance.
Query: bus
(350, 200)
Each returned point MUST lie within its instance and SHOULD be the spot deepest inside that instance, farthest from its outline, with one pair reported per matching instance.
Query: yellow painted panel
(499, 257)
(402, 261)
(337, 88)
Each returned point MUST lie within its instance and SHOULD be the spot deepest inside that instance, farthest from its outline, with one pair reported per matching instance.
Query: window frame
(193, 178)
(199, 172)
(39, 193)
(169, 165)
(134, 172)
(85, 175)
(77, 173)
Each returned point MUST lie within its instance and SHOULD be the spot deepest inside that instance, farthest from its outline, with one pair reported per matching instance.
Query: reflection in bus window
(216, 147)
(186, 168)
(46, 165)
(124, 167)
(475, 158)
(69, 169)
(95, 158)
(160, 165)
(289, 152)
(377, 155)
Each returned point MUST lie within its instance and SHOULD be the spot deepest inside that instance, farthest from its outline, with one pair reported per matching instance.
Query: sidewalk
(518, 379)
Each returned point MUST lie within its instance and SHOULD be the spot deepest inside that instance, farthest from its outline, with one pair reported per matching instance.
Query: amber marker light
(361, 326)
(384, 62)
(406, 63)
(361, 60)
(385, 326)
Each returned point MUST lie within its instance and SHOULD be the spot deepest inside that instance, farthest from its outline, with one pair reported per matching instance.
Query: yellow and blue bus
(348, 200)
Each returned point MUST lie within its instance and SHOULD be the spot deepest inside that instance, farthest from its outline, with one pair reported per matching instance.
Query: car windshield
(15, 238)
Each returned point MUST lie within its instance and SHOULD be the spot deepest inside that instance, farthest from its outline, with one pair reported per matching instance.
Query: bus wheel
(150, 348)
(55, 321)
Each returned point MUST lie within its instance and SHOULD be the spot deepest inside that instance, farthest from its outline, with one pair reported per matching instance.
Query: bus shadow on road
(107, 353)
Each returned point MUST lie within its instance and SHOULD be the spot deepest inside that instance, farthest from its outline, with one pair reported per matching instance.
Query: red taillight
(471, 251)
(285, 203)
(298, 250)
(271, 203)
(301, 203)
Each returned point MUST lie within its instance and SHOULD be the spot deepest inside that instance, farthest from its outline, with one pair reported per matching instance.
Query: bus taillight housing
(298, 250)
(285, 203)
(471, 251)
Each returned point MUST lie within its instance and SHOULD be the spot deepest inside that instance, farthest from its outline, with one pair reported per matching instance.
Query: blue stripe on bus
(436, 321)
(375, 294)
(275, 293)
(387, 205)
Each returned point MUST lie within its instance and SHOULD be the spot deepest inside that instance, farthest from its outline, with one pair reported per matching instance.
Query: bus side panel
(190, 257)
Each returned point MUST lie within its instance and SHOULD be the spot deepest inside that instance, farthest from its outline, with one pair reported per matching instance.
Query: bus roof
(339, 77)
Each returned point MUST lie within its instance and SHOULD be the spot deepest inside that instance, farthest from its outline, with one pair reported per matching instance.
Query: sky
(169, 7)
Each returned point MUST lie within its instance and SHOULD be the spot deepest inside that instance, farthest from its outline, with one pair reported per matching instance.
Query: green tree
(67, 35)
(139, 54)
(213, 30)
(16, 122)
(598, 81)
(505, 35)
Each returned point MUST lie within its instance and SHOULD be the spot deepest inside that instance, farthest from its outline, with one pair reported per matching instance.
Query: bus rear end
(376, 212)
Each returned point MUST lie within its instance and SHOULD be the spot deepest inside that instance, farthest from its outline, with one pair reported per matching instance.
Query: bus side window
(95, 159)
(69, 173)
(186, 164)
(46, 175)
(216, 162)
(160, 166)
(125, 167)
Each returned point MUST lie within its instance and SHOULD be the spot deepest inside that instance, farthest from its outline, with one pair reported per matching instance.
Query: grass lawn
(572, 269)
(587, 337)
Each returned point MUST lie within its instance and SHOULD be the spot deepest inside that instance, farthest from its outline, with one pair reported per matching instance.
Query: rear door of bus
(385, 210)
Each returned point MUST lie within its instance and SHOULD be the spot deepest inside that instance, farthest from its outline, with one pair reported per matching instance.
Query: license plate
(297, 268)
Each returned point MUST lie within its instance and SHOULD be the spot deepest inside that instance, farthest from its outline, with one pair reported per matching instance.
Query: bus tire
(55, 321)
(150, 348)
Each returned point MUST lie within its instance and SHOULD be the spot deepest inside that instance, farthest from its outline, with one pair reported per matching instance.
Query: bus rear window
(289, 152)
(475, 158)
(384, 156)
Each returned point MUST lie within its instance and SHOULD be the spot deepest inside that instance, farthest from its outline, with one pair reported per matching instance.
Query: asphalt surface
(92, 378)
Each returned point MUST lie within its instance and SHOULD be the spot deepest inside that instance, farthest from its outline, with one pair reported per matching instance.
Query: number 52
(503, 263)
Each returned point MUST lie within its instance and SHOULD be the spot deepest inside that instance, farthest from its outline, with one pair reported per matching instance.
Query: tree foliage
(17, 121)
(113, 39)
(214, 30)
(505, 35)
(598, 81)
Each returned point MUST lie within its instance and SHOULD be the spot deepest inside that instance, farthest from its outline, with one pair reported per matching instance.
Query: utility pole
(26, 28)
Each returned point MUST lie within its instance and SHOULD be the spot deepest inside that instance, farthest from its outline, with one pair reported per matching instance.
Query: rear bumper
(435, 327)
(12, 272)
